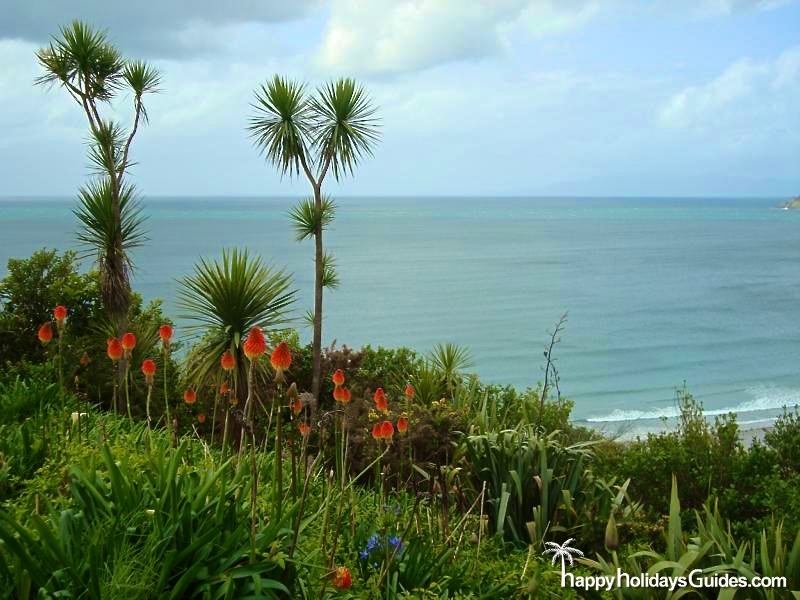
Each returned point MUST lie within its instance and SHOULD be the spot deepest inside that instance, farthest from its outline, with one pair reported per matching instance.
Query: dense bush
(28, 293)
(703, 456)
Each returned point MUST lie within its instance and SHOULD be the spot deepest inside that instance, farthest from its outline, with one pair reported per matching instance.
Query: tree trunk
(317, 342)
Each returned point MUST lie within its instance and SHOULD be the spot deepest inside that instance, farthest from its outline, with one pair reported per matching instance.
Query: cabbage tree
(314, 134)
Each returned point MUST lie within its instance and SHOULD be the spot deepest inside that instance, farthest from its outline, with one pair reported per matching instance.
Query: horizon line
(417, 196)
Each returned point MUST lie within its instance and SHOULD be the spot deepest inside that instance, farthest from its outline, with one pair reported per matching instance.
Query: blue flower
(395, 542)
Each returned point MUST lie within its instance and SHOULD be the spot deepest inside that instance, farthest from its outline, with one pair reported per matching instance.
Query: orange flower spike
(255, 345)
(227, 361)
(224, 388)
(114, 349)
(281, 358)
(128, 343)
(402, 424)
(338, 393)
(190, 396)
(380, 400)
(85, 360)
(148, 370)
(346, 397)
(342, 580)
(165, 333)
(297, 407)
(338, 378)
(410, 391)
(304, 428)
(201, 418)
(60, 315)
(387, 430)
(376, 431)
(45, 333)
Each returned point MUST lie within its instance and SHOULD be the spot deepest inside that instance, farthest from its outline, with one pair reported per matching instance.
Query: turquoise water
(659, 291)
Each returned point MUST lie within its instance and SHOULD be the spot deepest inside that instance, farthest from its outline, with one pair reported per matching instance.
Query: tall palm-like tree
(223, 300)
(92, 71)
(331, 130)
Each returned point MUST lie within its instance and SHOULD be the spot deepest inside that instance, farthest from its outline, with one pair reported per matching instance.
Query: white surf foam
(764, 399)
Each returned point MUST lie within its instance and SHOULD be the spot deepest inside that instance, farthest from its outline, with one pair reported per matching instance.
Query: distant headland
(793, 203)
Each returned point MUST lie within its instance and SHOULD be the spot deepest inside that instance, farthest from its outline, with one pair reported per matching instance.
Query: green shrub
(704, 458)
(30, 291)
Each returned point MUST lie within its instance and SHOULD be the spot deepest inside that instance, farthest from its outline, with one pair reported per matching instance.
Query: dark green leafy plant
(178, 534)
(222, 300)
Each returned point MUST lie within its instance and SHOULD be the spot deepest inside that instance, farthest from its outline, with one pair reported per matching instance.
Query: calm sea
(658, 291)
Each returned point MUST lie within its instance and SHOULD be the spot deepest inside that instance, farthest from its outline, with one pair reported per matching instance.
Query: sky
(475, 97)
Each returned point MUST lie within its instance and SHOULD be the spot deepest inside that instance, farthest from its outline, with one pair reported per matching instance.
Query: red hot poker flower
(297, 407)
(380, 400)
(410, 391)
(338, 394)
(281, 358)
(224, 388)
(342, 580)
(45, 333)
(338, 378)
(255, 345)
(402, 424)
(60, 315)
(148, 370)
(346, 397)
(376, 431)
(227, 361)
(387, 430)
(304, 428)
(190, 396)
(165, 333)
(128, 343)
(201, 418)
(85, 360)
(114, 349)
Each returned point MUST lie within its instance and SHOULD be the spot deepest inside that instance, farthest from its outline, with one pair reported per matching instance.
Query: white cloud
(390, 36)
(725, 7)
(745, 93)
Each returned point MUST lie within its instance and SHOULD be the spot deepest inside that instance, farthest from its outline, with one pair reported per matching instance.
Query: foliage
(701, 455)
(28, 293)
(164, 531)
(92, 71)
(112, 226)
(535, 487)
(714, 551)
(223, 300)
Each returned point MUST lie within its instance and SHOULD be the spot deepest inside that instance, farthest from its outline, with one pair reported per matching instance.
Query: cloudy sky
(507, 97)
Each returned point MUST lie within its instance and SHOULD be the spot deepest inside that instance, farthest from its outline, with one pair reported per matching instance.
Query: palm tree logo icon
(563, 551)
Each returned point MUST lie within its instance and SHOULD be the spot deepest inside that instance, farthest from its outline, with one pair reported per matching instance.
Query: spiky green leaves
(345, 127)
(106, 143)
(92, 69)
(280, 126)
(307, 219)
(332, 130)
(111, 234)
(142, 79)
(84, 61)
(224, 299)
(330, 277)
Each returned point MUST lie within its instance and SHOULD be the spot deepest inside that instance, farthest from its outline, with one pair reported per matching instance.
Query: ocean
(659, 291)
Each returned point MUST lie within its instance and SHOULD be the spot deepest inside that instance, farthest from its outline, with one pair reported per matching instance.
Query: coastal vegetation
(218, 456)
